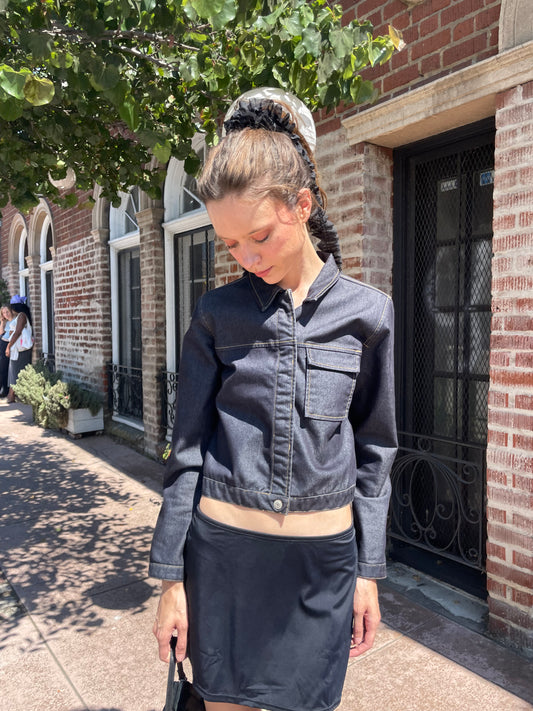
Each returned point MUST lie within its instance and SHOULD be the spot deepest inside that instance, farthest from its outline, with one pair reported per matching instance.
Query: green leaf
(328, 66)
(10, 109)
(253, 55)
(38, 91)
(192, 163)
(105, 78)
(311, 40)
(40, 45)
(129, 112)
(162, 151)
(189, 69)
(12, 82)
(376, 52)
(341, 42)
(225, 15)
(70, 200)
(61, 60)
(293, 25)
(207, 8)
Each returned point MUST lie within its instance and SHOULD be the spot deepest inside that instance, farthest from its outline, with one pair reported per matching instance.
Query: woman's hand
(7, 351)
(171, 615)
(366, 616)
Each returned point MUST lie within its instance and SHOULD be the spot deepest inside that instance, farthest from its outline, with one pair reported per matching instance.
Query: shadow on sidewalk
(73, 544)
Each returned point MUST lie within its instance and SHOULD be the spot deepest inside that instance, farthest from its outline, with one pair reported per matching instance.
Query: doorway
(442, 293)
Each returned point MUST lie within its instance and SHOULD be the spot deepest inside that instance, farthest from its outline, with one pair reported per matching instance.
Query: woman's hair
(22, 309)
(264, 155)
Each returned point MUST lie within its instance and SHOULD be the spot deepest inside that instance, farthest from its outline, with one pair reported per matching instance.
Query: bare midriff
(308, 523)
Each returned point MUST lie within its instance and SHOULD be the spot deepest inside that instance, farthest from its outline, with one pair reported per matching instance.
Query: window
(194, 259)
(24, 273)
(46, 250)
(125, 382)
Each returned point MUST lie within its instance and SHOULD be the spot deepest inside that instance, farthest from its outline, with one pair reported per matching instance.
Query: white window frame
(176, 224)
(46, 266)
(24, 271)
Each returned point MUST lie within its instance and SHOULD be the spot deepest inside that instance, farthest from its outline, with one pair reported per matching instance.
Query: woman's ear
(304, 204)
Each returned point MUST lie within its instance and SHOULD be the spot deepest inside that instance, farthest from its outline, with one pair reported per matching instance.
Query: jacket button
(277, 505)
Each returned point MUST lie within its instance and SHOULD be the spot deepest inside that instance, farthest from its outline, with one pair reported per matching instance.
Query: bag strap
(172, 666)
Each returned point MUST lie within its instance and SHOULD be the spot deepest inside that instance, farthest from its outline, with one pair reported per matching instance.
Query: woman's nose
(249, 258)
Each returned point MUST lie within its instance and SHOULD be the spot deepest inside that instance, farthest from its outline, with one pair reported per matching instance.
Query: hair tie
(17, 299)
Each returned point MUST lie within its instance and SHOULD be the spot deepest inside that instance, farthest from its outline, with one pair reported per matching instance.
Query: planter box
(81, 421)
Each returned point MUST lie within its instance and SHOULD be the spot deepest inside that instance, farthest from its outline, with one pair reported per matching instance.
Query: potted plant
(57, 404)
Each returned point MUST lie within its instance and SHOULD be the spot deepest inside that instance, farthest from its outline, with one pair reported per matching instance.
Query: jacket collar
(266, 293)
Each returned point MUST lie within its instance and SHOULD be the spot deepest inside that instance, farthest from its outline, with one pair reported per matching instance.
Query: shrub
(51, 398)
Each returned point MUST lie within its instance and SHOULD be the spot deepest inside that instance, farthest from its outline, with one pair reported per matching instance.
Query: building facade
(431, 190)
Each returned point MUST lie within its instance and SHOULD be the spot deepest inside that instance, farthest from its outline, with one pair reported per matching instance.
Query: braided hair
(264, 153)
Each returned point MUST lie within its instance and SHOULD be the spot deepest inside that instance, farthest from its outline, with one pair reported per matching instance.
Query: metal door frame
(471, 578)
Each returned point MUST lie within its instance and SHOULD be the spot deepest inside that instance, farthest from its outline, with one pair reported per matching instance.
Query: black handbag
(181, 695)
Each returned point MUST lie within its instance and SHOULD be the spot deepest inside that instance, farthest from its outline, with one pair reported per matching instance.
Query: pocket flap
(345, 361)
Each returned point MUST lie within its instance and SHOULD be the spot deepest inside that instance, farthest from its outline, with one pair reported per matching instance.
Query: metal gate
(442, 285)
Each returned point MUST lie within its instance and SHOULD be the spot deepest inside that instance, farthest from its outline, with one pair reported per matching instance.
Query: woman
(7, 317)
(283, 441)
(20, 344)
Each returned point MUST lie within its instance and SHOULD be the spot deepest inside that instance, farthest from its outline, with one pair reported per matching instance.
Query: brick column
(102, 305)
(510, 438)
(358, 183)
(153, 323)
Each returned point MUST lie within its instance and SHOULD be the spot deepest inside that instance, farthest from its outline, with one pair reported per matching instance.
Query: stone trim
(516, 23)
(463, 97)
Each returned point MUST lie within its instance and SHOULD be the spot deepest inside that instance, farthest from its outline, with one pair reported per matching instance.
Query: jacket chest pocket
(329, 383)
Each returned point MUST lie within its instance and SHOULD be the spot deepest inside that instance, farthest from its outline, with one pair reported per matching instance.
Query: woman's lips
(263, 274)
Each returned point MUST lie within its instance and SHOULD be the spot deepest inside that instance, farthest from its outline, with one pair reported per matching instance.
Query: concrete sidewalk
(76, 606)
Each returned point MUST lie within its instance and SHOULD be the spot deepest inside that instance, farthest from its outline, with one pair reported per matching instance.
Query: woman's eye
(260, 241)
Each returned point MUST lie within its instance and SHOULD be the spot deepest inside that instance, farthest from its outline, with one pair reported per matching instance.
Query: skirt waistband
(345, 535)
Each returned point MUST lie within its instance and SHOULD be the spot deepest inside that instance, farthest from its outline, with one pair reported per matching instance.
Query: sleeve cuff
(165, 572)
(375, 571)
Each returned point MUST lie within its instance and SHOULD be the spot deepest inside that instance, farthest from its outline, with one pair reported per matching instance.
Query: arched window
(46, 252)
(126, 310)
(24, 273)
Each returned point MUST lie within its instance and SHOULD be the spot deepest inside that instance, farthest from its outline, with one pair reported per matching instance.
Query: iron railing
(437, 498)
(125, 391)
(169, 388)
(49, 361)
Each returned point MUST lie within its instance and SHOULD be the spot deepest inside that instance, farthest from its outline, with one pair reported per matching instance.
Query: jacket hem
(269, 501)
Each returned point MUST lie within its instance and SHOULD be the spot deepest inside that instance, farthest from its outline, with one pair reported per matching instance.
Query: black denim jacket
(284, 410)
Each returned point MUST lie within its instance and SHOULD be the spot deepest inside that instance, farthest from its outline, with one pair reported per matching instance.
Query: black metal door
(442, 281)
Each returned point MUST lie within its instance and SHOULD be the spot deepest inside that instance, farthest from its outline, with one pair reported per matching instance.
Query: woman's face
(265, 236)
(6, 313)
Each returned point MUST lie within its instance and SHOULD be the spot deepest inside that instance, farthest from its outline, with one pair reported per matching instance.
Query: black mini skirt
(270, 616)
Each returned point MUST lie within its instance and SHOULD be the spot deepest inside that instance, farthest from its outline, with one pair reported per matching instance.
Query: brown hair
(257, 162)
(263, 155)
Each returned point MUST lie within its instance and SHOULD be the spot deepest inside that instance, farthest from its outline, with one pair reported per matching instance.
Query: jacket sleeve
(198, 384)
(372, 415)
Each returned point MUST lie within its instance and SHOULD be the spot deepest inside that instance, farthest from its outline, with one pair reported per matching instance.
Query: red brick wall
(441, 36)
(82, 308)
(358, 183)
(71, 223)
(510, 445)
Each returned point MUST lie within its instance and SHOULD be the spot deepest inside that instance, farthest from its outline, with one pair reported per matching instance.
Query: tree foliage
(103, 86)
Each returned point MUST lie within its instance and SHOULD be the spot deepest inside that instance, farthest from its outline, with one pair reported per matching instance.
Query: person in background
(7, 316)
(20, 345)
